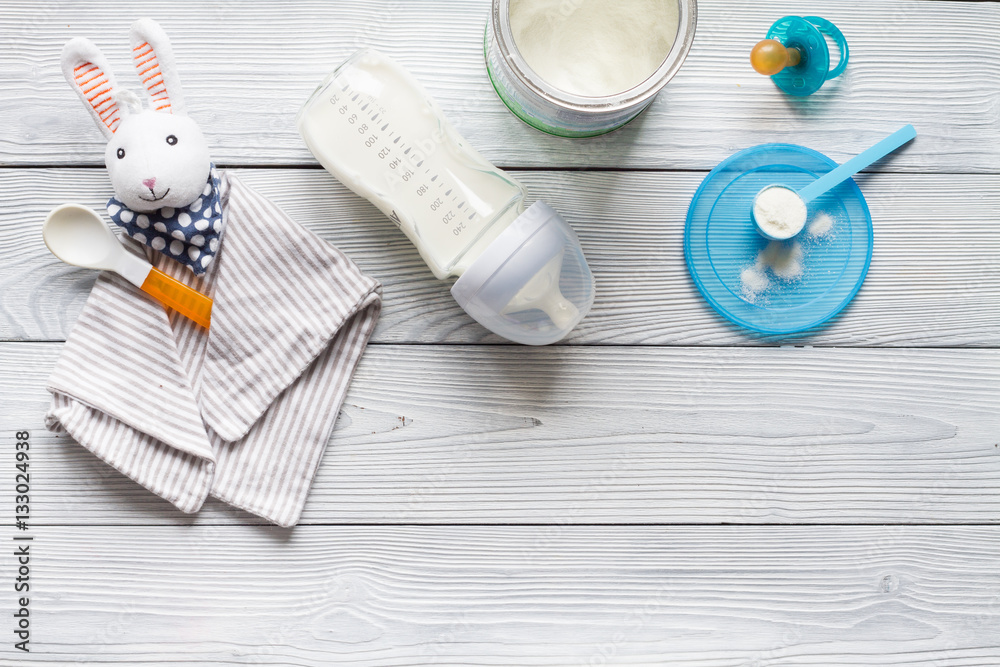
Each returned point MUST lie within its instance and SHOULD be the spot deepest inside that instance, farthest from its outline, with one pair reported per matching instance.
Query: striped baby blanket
(243, 411)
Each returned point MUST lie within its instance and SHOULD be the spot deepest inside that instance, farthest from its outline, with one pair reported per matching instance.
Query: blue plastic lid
(776, 287)
(805, 33)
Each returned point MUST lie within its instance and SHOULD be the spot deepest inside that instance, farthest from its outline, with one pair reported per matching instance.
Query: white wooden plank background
(445, 434)
(934, 278)
(248, 66)
(713, 596)
(448, 524)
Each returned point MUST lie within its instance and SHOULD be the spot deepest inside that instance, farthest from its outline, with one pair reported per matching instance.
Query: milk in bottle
(521, 272)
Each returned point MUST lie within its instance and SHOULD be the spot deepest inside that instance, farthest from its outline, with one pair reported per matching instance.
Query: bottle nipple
(542, 293)
(770, 56)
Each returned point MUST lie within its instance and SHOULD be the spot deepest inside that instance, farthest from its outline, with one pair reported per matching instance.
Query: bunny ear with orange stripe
(87, 71)
(154, 63)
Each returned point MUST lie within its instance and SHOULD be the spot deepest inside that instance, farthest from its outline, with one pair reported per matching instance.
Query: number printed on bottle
(398, 149)
(363, 113)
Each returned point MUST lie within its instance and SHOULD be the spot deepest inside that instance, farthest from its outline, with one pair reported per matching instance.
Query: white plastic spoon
(781, 213)
(77, 235)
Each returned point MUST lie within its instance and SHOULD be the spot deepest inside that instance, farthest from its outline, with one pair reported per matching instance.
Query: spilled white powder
(780, 259)
(779, 212)
(783, 258)
(754, 281)
(820, 226)
(594, 47)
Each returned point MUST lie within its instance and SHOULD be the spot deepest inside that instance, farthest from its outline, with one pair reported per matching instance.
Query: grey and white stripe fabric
(243, 411)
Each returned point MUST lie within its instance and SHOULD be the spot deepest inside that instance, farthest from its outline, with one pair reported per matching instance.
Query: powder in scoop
(594, 48)
(779, 212)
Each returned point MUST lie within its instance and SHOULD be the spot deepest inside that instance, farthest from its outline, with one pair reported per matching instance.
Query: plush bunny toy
(166, 188)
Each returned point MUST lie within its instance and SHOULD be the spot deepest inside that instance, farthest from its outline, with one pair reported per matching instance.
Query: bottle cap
(532, 284)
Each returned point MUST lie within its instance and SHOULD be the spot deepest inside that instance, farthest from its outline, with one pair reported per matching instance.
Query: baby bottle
(521, 273)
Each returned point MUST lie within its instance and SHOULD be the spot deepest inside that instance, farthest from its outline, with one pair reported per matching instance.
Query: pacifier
(796, 56)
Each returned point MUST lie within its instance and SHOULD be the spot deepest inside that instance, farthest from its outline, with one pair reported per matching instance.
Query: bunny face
(157, 160)
(167, 194)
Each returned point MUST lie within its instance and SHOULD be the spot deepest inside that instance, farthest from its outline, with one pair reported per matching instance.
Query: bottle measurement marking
(448, 217)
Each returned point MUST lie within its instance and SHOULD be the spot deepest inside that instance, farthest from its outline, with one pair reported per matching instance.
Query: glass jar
(545, 107)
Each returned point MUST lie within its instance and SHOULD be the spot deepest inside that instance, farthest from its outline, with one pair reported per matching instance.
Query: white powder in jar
(779, 211)
(594, 48)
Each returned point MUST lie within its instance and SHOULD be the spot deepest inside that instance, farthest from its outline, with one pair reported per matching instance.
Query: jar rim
(641, 92)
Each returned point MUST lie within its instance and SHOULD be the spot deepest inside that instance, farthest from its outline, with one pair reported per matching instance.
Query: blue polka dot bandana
(189, 235)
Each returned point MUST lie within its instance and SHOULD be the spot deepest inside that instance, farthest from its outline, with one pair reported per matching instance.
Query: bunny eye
(121, 153)
(171, 139)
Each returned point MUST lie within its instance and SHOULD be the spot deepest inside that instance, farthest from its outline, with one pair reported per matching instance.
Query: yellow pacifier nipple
(770, 56)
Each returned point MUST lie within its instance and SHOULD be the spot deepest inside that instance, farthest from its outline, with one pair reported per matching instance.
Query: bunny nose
(149, 182)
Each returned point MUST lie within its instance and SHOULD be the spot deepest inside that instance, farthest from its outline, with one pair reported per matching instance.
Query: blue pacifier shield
(778, 287)
(806, 35)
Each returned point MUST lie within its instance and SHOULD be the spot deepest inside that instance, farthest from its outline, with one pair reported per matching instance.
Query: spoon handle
(857, 163)
(174, 294)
